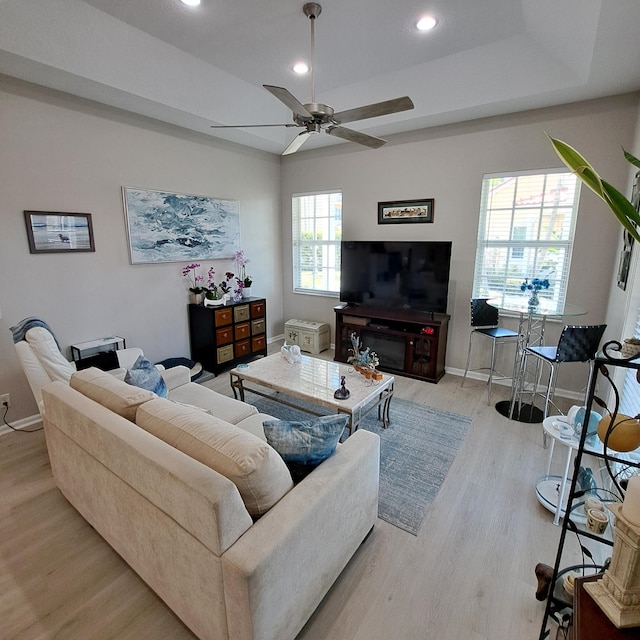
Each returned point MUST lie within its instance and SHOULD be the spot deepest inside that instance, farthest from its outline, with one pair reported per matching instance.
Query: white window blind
(526, 229)
(317, 232)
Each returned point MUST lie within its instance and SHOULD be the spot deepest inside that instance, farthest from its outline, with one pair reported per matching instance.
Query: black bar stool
(485, 319)
(576, 344)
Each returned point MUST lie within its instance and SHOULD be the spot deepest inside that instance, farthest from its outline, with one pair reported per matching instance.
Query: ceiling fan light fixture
(301, 68)
(316, 117)
(426, 23)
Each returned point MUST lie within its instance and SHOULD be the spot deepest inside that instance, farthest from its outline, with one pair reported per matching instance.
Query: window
(317, 231)
(526, 229)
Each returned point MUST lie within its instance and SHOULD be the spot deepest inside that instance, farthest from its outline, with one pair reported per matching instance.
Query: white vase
(195, 298)
(214, 303)
(246, 292)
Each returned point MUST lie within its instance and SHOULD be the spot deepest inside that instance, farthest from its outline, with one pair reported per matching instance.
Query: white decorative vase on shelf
(246, 292)
(195, 298)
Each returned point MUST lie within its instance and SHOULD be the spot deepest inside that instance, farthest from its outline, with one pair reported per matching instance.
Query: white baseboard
(475, 375)
(24, 423)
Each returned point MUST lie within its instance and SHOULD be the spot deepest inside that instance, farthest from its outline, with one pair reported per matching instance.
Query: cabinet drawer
(241, 313)
(242, 348)
(257, 309)
(222, 317)
(258, 343)
(225, 354)
(257, 326)
(224, 335)
(242, 330)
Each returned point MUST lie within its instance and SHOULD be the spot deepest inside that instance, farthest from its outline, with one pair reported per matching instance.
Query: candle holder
(617, 593)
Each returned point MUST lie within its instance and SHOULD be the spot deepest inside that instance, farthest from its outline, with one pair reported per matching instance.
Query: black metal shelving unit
(558, 603)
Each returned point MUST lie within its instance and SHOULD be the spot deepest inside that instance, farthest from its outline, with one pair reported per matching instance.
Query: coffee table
(314, 381)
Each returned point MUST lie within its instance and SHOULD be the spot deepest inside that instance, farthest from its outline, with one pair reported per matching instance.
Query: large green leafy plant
(623, 209)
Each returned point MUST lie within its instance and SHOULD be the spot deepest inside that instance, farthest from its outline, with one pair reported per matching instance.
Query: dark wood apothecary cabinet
(221, 337)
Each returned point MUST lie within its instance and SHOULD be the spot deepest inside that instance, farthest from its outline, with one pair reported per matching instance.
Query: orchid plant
(217, 291)
(242, 261)
(194, 279)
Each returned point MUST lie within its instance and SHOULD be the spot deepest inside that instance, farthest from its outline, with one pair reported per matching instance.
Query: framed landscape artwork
(405, 211)
(58, 232)
(174, 227)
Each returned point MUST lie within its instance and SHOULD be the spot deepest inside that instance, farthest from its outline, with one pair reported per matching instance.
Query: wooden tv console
(411, 343)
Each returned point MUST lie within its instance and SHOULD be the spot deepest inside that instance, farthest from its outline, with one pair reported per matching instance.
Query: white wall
(448, 164)
(62, 154)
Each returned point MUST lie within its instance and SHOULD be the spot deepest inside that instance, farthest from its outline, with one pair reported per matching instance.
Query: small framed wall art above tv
(406, 211)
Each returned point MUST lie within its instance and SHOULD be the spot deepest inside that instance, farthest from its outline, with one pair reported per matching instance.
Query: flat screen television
(399, 275)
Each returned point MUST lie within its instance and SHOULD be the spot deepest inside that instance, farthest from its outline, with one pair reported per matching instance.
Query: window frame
(329, 249)
(527, 251)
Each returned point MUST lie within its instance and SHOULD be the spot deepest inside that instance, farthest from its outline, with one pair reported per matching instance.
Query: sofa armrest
(277, 573)
(176, 376)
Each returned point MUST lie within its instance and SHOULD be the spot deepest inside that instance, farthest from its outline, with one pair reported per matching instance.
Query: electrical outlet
(5, 400)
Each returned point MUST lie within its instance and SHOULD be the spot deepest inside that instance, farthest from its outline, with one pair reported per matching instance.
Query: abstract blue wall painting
(176, 227)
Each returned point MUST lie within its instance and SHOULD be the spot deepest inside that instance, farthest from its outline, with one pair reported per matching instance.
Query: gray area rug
(416, 452)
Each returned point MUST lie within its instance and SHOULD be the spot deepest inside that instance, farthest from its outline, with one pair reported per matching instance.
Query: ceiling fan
(315, 117)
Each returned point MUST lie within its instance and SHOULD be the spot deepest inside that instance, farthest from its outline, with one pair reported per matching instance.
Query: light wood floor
(468, 575)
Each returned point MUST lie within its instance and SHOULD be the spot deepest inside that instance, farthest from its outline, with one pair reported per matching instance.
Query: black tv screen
(401, 275)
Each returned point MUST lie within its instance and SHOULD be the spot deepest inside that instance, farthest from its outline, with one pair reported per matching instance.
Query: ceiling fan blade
(356, 136)
(245, 126)
(373, 110)
(296, 143)
(288, 99)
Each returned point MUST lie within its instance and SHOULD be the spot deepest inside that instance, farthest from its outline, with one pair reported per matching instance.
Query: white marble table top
(314, 380)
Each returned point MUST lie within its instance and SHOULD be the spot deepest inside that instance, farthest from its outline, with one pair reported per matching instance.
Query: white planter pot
(215, 303)
(246, 292)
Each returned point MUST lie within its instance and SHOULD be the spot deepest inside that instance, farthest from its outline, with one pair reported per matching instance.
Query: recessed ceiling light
(301, 67)
(191, 3)
(426, 23)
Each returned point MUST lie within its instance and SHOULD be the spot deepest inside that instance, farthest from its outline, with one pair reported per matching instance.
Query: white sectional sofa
(182, 521)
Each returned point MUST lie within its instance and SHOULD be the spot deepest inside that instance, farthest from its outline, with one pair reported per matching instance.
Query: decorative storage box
(310, 336)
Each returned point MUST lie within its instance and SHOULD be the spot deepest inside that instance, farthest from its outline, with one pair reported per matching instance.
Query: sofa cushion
(253, 424)
(304, 444)
(229, 409)
(105, 389)
(144, 375)
(252, 465)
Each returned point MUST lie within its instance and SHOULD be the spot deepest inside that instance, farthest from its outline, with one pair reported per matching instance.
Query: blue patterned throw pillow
(144, 375)
(304, 444)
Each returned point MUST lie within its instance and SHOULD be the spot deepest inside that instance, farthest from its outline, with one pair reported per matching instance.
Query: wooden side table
(590, 622)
